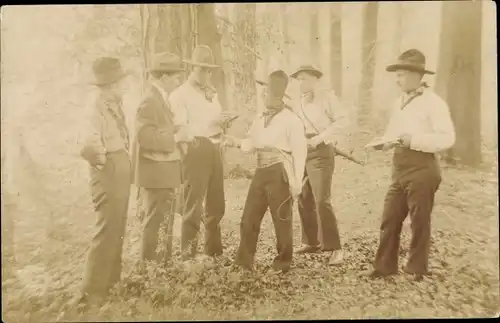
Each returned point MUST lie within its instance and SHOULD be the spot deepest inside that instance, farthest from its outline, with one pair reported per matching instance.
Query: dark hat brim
(408, 67)
(194, 63)
(312, 71)
(265, 84)
(111, 80)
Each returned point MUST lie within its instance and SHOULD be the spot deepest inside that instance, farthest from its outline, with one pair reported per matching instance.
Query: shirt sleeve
(392, 130)
(149, 135)
(179, 109)
(442, 136)
(94, 133)
(340, 116)
(298, 145)
(247, 143)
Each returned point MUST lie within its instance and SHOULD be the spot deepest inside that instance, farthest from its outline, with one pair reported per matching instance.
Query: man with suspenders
(325, 121)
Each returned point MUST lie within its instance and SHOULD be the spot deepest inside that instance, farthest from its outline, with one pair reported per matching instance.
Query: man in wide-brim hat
(156, 155)
(325, 120)
(277, 138)
(420, 126)
(106, 150)
(202, 168)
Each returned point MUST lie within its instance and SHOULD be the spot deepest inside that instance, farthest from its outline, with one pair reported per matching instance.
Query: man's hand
(295, 190)
(386, 146)
(183, 136)
(405, 140)
(230, 141)
(314, 142)
(183, 147)
(93, 156)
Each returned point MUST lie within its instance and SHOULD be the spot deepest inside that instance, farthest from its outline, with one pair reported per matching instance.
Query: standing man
(422, 126)
(106, 150)
(155, 154)
(325, 121)
(199, 121)
(277, 137)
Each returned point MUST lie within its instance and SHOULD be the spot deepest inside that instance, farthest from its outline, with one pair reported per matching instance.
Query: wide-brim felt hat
(202, 56)
(411, 60)
(307, 69)
(166, 62)
(265, 84)
(107, 70)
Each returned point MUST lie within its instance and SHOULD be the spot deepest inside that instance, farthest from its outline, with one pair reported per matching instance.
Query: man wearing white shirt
(325, 120)
(277, 137)
(420, 127)
(199, 131)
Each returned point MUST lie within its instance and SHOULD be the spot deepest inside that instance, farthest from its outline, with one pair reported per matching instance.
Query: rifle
(348, 156)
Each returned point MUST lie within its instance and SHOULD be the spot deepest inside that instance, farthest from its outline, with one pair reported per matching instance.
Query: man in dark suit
(156, 156)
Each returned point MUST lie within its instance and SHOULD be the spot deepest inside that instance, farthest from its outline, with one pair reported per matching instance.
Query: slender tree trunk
(459, 77)
(245, 54)
(369, 43)
(208, 34)
(314, 38)
(336, 46)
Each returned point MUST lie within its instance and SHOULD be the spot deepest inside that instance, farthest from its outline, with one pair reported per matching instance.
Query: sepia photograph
(249, 161)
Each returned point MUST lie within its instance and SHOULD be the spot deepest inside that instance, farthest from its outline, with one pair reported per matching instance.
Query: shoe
(276, 271)
(308, 249)
(416, 276)
(374, 274)
(336, 258)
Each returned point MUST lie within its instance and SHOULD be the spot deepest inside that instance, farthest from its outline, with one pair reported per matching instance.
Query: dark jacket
(154, 146)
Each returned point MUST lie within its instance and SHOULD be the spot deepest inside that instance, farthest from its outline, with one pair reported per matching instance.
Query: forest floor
(51, 243)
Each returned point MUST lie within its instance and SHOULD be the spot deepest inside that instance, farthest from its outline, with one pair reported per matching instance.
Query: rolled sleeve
(443, 134)
(340, 116)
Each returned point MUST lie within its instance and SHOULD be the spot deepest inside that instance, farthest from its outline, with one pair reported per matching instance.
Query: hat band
(410, 63)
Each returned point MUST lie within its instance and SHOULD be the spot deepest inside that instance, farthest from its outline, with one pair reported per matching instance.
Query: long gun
(348, 156)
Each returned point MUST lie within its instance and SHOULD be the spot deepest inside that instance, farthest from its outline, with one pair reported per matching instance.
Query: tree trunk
(336, 46)
(368, 47)
(244, 55)
(208, 34)
(314, 39)
(459, 77)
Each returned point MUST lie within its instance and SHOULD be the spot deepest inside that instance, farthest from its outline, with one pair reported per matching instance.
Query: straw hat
(202, 56)
(166, 62)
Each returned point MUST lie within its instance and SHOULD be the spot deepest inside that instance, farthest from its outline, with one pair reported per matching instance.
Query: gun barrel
(348, 156)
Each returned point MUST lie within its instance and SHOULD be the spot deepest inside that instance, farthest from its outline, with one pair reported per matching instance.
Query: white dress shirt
(325, 116)
(194, 113)
(286, 133)
(426, 119)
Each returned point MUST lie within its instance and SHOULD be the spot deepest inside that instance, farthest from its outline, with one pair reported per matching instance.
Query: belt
(310, 135)
(267, 157)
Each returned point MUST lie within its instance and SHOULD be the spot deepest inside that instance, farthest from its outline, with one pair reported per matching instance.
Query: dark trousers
(315, 206)
(415, 179)
(203, 177)
(110, 188)
(159, 204)
(269, 189)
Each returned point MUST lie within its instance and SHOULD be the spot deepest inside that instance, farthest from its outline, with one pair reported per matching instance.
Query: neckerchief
(271, 112)
(413, 94)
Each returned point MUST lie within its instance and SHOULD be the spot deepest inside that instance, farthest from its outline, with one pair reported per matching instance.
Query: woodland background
(47, 220)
